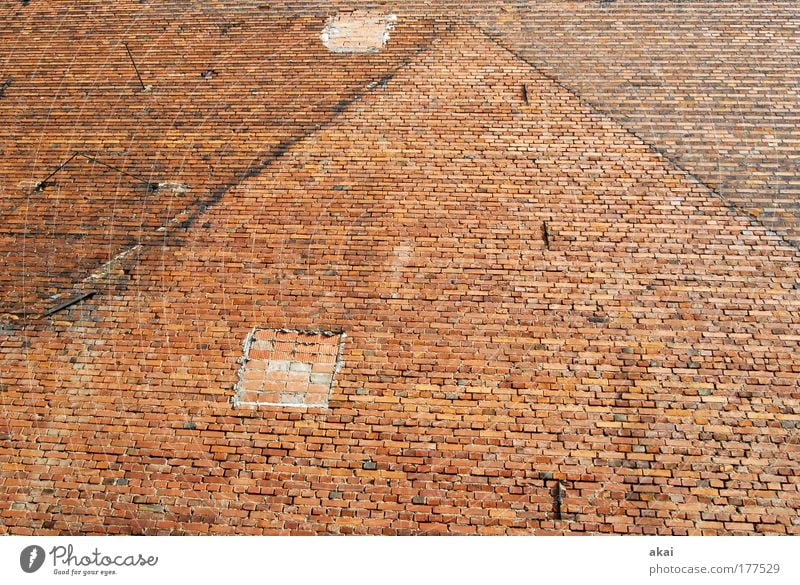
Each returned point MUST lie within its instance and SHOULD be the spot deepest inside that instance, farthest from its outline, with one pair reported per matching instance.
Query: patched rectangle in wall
(357, 32)
(283, 367)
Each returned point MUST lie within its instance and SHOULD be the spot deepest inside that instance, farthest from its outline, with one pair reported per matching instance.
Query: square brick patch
(288, 368)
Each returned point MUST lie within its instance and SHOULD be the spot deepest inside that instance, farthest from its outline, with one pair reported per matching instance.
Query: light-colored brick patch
(288, 368)
(358, 32)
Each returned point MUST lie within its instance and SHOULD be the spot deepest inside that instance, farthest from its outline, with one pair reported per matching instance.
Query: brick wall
(226, 95)
(713, 86)
(641, 358)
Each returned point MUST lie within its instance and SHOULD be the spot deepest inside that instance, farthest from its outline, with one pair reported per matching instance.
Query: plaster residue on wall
(357, 32)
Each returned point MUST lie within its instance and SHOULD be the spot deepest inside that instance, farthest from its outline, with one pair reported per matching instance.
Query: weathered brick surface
(713, 85)
(643, 354)
(228, 95)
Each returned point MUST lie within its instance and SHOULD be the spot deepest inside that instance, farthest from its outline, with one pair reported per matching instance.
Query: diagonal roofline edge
(660, 153)
(438, 36)
(190, 217)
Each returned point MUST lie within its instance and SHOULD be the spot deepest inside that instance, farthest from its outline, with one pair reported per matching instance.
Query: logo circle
(31, 558)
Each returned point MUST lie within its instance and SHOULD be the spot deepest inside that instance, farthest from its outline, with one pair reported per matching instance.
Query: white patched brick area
(357, 32)
(288, 368)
